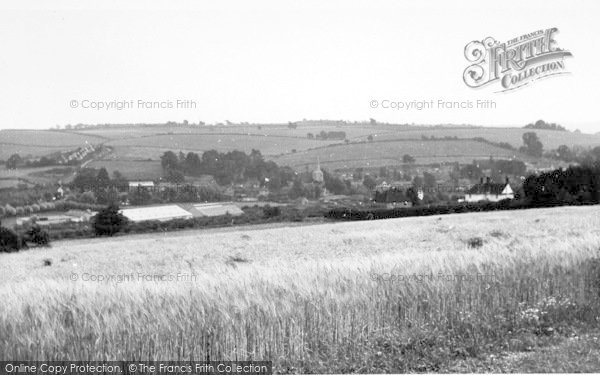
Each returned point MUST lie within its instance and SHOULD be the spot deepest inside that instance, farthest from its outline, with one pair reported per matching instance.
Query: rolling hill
(136, 149)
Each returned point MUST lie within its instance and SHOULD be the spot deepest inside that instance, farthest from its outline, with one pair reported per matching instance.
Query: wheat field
(391, 295)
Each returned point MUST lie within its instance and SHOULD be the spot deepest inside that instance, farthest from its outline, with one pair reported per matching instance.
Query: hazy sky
(274, 61)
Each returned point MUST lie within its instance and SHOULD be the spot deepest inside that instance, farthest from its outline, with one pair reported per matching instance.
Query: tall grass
(356, 313)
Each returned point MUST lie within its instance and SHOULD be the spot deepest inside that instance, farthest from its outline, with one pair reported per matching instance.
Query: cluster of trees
(397, 195)
(96, 186)
(574, 185)
(27, 197)
(11, 241)
(15, 161)
(534, 147)
(579, 155)
(62, 205)
(302, 186)
(185, 193)
(337, 135)
(541, 124)
(109, 221)
(226, 168)
(91, 179)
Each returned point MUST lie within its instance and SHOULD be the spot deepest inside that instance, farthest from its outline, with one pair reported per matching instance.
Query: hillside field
(414, 294)
(135, 146)
(41, 142)
(383, 153)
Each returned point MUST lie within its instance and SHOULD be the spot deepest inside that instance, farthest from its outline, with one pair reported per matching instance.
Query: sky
(279, 61)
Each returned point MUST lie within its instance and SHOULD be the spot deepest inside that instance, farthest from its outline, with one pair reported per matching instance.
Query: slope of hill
(285, 144)
(41, 142)
(514, 136)
(399, 295)
(384, 153)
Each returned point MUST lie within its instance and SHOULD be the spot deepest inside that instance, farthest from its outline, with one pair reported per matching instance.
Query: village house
(140, 184)
(489, 191)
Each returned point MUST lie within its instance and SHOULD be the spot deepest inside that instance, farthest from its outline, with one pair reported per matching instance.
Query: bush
(38, 236)
(109, 221)
(475, 242)
(9, 240)
(19, 211)
(10, 210)
(87, 197)
(2, 211)
(387, 213)
(269, 212)
(35, 208)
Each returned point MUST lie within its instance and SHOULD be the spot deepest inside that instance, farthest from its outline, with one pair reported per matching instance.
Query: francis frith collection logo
(515, 63)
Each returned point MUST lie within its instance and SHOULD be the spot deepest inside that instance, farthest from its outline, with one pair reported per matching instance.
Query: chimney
(487, 180)
(507, 180)
(481, 181)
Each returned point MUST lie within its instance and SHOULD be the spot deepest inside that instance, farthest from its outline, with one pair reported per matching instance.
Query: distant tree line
(541, 124)
(226, 168)
(574, 185)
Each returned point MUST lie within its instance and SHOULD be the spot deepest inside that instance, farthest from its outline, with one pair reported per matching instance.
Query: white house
(489, 191)
(140, 184)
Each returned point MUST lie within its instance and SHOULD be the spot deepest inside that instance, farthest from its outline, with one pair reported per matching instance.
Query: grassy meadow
(377, 154)
(41, 142)
(439, 293)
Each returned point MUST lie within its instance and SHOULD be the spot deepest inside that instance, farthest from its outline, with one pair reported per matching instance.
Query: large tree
(109, 221)
(13, 161)
(532, 145)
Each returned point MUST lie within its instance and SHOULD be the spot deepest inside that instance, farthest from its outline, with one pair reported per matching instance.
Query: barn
(160, 213)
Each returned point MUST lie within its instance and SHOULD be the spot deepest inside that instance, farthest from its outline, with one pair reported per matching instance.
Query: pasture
(375, 154)
(550, 139)
(133, 143)
(396, 295)
(41, 142)
(153, 146)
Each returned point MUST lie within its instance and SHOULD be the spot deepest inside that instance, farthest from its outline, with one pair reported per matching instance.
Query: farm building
(160, 213)
(140, 184)
(218, 209)
(71, 216)
(489, 191)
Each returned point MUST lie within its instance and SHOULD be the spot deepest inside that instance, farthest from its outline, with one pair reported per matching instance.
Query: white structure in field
(160, 213)
(218, 209)
(140, 184)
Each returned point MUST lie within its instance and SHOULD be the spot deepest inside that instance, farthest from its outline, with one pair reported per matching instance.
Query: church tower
(317, 174)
